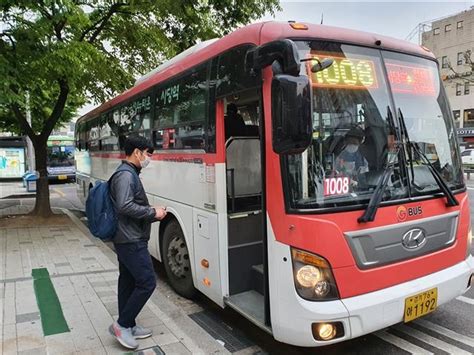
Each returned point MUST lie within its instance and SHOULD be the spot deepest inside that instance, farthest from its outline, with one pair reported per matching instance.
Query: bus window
(182, 111)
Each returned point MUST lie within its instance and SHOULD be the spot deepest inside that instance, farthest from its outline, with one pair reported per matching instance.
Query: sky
(395, 19)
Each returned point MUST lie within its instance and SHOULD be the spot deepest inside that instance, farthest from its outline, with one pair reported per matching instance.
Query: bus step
(257, 278)
(251, 305)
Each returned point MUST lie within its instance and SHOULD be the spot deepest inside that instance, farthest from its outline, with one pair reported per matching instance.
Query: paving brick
(9, 309)
(37, 351)
(27, 317)
(96, 351)
(164, 336)
(145, 343)
(60, 344)
(176, 349)
(29, 336)
(9, 339)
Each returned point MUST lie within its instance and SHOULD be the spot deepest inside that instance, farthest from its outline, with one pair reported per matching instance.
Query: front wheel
(176, 260)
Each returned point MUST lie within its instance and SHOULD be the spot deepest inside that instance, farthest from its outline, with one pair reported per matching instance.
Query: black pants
(136, 282)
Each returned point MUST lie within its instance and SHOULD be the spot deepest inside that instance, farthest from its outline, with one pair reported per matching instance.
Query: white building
(452, 41)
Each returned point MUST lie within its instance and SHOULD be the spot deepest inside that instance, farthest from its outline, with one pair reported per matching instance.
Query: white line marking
(451, 349)
(447, 332)
(465, 299)
(401, 343)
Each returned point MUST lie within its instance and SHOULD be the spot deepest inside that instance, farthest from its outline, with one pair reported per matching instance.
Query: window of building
(444, 61)
(466, 88)
(456, 114)
(458, 89)
(460, 57)
(460, 24)
(447, 28)
(436, 31)
(469, 114)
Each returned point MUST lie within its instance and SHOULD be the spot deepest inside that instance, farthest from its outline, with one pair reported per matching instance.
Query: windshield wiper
(407, 144)
(374, 202)
(451, 200)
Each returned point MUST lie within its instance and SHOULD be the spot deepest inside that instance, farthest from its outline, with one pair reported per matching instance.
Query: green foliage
(65, 52)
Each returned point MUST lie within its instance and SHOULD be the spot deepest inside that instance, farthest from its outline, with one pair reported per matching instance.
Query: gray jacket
(134, 213)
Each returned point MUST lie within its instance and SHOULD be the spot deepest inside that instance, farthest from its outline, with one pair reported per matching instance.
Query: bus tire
(176, 260)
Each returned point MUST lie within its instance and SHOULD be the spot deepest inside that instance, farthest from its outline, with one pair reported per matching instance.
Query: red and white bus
(341, 208)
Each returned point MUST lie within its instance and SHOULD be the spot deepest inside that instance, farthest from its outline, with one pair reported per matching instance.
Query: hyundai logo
(414, 238)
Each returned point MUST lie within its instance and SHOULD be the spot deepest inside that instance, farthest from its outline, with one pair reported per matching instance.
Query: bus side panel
(188, 179)
(154, 243)
(206, 254)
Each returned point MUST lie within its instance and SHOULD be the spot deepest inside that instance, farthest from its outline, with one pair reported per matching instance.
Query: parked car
(467, 157)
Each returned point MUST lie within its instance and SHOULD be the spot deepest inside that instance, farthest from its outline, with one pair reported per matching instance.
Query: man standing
(136, 281)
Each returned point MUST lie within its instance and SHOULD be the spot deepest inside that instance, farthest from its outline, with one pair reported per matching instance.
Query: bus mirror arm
(284, 51)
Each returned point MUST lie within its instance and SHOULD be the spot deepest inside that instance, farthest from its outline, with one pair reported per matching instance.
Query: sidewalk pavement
(13, 188)
(84, 274)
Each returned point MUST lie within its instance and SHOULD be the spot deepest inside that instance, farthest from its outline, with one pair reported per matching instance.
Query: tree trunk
(42, 204)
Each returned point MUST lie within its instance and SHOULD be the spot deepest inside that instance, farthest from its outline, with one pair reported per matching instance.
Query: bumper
(365, 313)
(65, 177)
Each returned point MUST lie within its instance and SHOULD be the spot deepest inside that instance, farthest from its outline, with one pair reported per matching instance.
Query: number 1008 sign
(336, 186)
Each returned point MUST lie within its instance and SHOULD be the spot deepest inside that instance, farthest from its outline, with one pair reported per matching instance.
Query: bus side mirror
(292, 124)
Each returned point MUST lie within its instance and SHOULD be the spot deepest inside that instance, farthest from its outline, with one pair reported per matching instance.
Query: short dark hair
(232, 108)
(138, 142)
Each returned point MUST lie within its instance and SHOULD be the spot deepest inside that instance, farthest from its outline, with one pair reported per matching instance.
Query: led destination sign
(361, 73)
(344, 73)
(411, 80)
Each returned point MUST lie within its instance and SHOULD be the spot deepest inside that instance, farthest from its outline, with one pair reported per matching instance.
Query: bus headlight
(313, 276)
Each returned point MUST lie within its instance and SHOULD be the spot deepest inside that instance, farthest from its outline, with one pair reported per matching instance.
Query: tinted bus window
(182, 111)
(231, 74)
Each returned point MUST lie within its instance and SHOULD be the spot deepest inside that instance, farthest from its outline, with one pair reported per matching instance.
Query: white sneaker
(140, 332)
(123, 335)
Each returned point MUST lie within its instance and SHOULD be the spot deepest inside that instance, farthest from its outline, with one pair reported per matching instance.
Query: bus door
(245, 213)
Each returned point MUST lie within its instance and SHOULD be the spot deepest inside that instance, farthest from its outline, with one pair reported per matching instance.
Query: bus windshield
(60, 156)
(364, 105)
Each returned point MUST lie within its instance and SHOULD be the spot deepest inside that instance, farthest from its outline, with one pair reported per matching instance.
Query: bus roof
(258, 33)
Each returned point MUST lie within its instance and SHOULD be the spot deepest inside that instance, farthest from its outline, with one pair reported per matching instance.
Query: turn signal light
(205, 263)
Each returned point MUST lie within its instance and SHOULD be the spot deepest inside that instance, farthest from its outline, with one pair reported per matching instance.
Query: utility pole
(29, 144)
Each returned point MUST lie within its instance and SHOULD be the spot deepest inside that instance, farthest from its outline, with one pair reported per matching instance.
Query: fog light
(322, 288)
(471, 281)
(326, 331)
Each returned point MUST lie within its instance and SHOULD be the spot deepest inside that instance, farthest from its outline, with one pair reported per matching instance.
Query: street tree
(466, 73)
(66, 52)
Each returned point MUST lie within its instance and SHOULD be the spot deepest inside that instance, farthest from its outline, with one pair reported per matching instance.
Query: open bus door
(246, 224)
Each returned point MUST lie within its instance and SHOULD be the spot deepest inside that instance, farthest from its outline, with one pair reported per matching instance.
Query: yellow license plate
(62, 177)
(420, 304)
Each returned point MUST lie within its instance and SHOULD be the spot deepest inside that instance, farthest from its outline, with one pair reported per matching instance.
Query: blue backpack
(100, 211)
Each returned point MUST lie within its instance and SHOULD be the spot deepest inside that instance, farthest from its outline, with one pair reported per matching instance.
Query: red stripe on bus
(174, 157)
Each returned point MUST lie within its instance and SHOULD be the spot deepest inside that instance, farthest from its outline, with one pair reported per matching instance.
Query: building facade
(451, 39)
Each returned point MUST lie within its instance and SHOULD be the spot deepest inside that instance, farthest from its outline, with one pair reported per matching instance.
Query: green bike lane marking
(51, 313)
